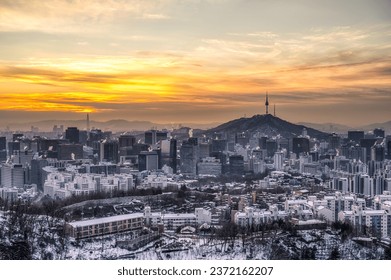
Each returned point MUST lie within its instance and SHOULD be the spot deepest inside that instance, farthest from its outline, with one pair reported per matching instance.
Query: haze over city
(195, 61)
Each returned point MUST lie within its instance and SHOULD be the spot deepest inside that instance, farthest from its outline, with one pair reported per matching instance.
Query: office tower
(193, 141)
(17, 136)
(95, 135)
(334, 142)
(278, 161)
(314, 155)
(271, 147)
(204, 150)
(23, 157)
(379, 133)
(126, 141)
(160, 135)
(168, 149)
(152, 137)
(148, 161)
(262, 142)
(37, 176)
(241, 139)
(72, 134)
(377, 152)
(109, 151)
(300, 145)
(355, 135)
(70, 151)
(219, 145)
(236, 165)
(388, 146)
(189, 158)
(3, 143)
(12, 175)
(3, 149)
(367, 143)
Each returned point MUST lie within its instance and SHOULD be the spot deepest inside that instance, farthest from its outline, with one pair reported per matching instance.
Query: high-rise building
(3, 143)
(368, 143)
(109, 151)
(204, 150)
(377, 152)
(95, 135)
(126, 141)
(271, 147)
(334, 142)
(23, 157)
(148, 161)
(168, 149)
(219, 145)
(12, 175)
(189, 158)
(72, 134)
(161, 135)
(300, 145)
(17, 136)
(70, 151)
(355, 135)
(278, 161)
(378, 132)
(37, 176)
(152, 137)
(388, 146)
(3, 149)
(236, 165)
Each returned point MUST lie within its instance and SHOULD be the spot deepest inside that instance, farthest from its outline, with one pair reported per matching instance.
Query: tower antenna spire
(274, 109)
(267, 103)
(88, 122)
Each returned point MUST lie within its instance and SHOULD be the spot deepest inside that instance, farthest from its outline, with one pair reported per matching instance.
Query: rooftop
(106, 220)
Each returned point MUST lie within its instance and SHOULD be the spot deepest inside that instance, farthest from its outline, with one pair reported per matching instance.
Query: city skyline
(195, 61)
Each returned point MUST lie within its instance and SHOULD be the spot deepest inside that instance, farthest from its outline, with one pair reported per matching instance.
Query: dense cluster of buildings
(71, 162)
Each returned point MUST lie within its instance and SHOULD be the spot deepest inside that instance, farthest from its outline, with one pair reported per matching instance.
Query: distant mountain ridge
(113, 125)
(275, 125)
(339, 128)
(267, 124)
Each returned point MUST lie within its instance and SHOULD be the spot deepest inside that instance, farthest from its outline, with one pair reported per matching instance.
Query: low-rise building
(107, 225)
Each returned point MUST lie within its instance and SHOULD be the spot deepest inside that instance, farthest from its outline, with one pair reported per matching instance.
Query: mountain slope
(267, 124)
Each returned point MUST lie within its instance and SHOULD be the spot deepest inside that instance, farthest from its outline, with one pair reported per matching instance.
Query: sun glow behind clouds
(172, 59)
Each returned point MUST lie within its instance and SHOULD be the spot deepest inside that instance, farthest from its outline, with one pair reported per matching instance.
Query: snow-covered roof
(179, 216)
(347, 213)
(297, 201)
(106, 220)
(311, 222)
(373, 212)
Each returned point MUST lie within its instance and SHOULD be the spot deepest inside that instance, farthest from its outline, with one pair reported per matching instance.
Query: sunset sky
(195, 60)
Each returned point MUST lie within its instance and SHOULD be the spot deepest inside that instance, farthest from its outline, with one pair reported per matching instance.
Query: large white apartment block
(252, 217)
(377, 222)
(172, 221)
(62, 185)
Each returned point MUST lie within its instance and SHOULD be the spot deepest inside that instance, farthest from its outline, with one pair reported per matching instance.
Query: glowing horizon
(203, 61)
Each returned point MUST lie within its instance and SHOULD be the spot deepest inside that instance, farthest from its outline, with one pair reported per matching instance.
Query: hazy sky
(195, 60)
